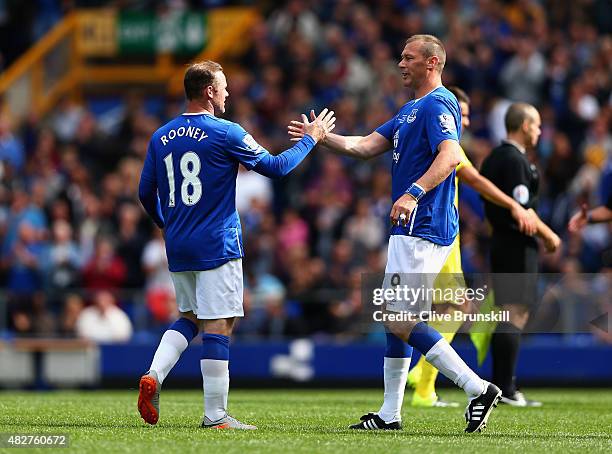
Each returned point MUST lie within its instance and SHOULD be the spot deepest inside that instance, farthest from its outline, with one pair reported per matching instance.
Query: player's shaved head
(199, 76)
(430, 46)
(516, 115)
(459, 94)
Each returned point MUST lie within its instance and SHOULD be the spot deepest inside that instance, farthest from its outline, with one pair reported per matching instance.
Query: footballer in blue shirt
(424, 138)
(188, 187)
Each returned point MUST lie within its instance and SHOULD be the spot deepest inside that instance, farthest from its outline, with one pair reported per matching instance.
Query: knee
(401, 330)
(189, 316)
(221, 326)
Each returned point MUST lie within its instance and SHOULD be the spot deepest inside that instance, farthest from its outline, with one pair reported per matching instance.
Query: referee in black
(514, 255)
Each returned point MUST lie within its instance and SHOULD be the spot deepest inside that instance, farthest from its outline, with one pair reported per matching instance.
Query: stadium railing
(69, 57)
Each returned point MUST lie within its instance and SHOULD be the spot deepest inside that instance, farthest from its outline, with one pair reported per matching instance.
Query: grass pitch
(307, 421)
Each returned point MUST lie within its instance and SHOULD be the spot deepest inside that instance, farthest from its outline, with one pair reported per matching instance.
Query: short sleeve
(516, 180)
(243, 147)
(465, 161)
(441, 124)
(386, 129)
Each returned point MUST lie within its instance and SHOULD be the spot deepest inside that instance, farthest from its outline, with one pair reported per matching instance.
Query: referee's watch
(416, 191)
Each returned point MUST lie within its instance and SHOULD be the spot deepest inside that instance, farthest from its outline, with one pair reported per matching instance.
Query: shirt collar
(515, 144)
(428, 93)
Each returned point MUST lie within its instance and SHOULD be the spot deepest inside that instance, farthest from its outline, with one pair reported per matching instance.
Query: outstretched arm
(280, 165)
(583, 217)
(486, 188)
(313, 132)
(360, 147)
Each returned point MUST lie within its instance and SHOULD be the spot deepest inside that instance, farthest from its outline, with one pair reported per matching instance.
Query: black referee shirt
(511, 171)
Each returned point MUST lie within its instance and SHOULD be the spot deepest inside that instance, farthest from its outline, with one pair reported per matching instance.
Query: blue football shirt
(192, 161)
(415, 132)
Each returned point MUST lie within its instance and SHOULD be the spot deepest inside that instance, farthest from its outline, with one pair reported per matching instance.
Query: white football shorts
(414, 263)
(211, 294)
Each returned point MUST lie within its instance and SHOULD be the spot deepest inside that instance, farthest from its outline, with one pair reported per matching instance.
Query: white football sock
(395, 373)
(170, 348)
(215, 375)
(444, 358)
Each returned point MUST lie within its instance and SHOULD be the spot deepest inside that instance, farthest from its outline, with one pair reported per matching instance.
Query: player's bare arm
(313, 131)
(446, 160)
(584, 217)
(550, 238)
(485, 187)
(360, 147)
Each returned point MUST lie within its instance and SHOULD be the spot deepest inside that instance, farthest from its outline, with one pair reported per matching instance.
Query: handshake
(317, 128)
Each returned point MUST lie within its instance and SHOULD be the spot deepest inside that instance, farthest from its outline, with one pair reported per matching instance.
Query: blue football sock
(423, 337)
(397, 348)
(186, 327)
(173, 343)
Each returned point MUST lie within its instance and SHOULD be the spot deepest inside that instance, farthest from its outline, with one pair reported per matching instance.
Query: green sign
(178, 33)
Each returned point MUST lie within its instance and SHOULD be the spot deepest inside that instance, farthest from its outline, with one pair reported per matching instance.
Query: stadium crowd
(77, 248)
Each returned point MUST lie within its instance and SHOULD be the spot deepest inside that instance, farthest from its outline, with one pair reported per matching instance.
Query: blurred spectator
(295, 17)
(105, 270)
(293, 233)
(43, 320)
(22, 210)
(32, 317)
(103, 321)
(307, 234)
(267, 312)
(63, 261)
(251, 186)
(92, 226)
(346, 320)
(25, 261)
(72, 307)
(131, 244)
(11, 147)
(365, 229)
(159, 290)
(66, 120)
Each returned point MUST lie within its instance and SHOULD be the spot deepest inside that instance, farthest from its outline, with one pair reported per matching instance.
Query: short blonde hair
(431, 46)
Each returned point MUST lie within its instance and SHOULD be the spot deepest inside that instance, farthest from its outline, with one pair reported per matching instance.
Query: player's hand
(578, 220)
(296, 129)
(527, 222)
(552, 242)
(319, 125)
(401, 210)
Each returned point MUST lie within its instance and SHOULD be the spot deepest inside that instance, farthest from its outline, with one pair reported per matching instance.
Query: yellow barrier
(28, 84)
